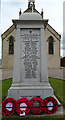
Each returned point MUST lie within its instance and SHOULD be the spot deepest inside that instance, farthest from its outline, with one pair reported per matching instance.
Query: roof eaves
(55, 30)
(10, 29)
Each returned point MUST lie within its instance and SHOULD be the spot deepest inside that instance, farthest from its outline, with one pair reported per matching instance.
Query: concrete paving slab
(56, 73)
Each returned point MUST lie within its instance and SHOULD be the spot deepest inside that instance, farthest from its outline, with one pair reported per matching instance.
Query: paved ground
(6, 73)
(55, 73)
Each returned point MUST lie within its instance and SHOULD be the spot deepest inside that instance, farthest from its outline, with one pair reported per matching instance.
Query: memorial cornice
(28, 22)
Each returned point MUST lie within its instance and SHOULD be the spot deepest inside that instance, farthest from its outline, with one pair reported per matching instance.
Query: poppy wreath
(22, 106)
(8, 106)
(40, 108)
(50, 105)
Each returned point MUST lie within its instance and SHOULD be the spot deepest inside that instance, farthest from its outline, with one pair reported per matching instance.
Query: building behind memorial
(62, 61)
(52, 39)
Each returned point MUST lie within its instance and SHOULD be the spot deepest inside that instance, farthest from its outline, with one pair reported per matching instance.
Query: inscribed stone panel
(30, 54)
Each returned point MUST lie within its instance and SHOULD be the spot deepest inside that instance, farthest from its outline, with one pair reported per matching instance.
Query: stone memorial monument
(30, 77)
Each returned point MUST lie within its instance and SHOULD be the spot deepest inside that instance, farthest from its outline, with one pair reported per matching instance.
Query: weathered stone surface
(30, 76)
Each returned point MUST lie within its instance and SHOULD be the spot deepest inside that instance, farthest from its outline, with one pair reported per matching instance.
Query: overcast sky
(53, 10)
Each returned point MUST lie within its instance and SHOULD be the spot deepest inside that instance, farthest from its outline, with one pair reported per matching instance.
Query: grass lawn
(5, 86)
(59, 88)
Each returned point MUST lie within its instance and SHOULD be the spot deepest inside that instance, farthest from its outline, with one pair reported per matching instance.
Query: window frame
(50, 50)
(11, 45)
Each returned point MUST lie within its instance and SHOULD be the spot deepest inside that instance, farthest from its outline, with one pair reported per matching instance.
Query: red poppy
(50, 105)
(22, 106)
(36, 110)
(8, 106)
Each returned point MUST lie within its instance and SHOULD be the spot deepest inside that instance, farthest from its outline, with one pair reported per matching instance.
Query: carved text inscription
(30, 54)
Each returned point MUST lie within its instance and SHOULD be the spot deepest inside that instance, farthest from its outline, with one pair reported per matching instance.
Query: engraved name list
(30, 55)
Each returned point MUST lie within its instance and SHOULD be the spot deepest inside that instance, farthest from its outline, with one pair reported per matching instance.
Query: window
(50, 45)
(11, 45)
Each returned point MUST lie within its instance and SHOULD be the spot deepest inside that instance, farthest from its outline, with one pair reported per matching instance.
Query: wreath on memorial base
(39, 109)
(50, 105)
(22, 106)
(8, 106)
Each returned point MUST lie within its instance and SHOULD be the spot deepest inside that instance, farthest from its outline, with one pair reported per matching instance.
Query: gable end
(7, 32)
